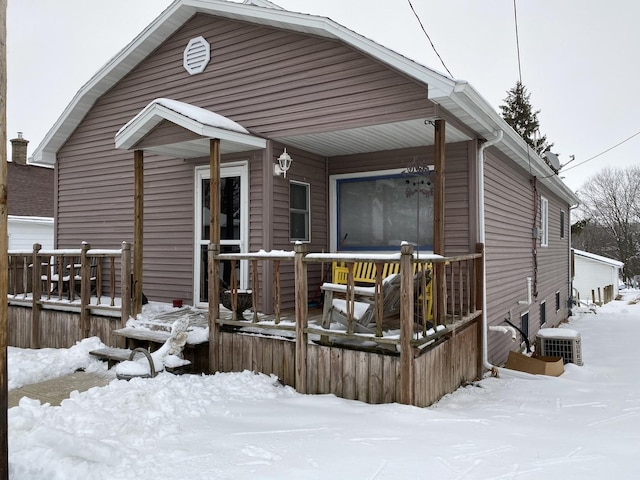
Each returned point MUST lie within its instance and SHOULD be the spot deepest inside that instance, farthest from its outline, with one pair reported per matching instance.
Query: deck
(407, 357)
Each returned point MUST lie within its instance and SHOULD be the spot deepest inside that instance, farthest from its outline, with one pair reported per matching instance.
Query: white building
(594, 275)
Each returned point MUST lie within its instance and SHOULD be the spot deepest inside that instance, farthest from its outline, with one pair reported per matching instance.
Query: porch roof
(198, 126)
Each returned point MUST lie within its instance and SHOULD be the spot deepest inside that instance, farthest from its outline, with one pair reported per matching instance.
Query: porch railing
(427, 312)
(456, 283)
(83, 278)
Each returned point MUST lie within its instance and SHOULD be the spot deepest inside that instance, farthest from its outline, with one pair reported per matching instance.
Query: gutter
(481, 238)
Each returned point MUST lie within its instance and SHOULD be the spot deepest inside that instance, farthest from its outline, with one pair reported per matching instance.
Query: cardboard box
(552, 366)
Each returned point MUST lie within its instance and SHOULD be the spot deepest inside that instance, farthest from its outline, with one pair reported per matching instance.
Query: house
(596, 278)
(384, 151)
(30, 200)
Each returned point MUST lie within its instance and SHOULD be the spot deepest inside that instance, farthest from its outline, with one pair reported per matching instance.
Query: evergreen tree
(518, 113)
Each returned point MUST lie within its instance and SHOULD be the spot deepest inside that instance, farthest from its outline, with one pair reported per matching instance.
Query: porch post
(302, 305)
(4, 248)
(36, 285)
(125, 283)
(138, 229)
(407, 384)
(438, 221)
(478, 280)
(213, 263)
(85, 289)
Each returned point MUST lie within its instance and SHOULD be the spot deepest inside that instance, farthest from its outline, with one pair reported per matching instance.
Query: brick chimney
(19, 150)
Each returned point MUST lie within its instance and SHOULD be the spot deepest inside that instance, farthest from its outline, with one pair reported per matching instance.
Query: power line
(603, 152)
(429, 38)
(515, 19)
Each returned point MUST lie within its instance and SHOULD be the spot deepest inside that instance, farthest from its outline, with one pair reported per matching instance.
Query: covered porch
(174, 129)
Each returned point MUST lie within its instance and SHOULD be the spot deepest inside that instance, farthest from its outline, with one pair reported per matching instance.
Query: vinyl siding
(271, 82)
(509, 222)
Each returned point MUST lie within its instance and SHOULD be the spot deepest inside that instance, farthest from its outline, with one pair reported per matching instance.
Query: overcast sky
(578, 59)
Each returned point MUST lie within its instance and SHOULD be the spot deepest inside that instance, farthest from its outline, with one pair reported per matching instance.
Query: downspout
(481, 239)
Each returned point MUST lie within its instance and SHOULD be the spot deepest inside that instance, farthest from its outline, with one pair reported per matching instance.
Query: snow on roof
(200, 115)
(593, 256)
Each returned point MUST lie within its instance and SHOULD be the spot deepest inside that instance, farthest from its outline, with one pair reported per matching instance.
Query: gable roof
(204, 123)
(456, 97)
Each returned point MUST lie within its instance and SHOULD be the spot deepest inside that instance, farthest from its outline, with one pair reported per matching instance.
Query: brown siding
(509, 222)
(270, 81)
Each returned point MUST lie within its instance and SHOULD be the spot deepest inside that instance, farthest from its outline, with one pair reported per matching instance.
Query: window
(557, 301)
(299, 218)
(562, 224)
(543, 313)
(544, 222)
(379, 211)
(524, 326)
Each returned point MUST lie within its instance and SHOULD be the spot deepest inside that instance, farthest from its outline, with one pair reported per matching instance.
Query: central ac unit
(560, 342)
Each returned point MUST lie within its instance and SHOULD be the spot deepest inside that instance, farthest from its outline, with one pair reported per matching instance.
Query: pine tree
(518, 112)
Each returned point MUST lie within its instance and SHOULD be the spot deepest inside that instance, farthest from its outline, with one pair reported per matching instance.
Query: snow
(581, 425)
(200, 115)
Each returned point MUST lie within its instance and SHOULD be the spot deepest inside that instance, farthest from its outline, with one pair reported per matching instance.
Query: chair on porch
(336, 309)
(57, 278)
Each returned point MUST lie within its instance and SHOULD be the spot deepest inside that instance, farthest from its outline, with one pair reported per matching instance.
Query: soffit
(391, 136)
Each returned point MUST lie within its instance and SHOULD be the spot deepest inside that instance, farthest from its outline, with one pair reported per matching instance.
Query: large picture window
(379, 212)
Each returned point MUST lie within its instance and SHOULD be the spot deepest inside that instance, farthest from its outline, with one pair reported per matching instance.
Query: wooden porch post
(125, 284)
(36, 284)
(478, 279)
(213, 263)
(302, 306)
(138, 229)
(407, 384)
(4, 248)
(438, 221)
(85, 289)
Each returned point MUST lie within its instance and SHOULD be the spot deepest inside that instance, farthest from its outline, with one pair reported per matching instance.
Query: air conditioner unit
(560, 342)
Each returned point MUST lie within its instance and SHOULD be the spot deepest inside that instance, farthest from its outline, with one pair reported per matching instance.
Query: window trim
(544, 222)
(333, 197)
(543, 312)
(202, 172)
(307, 212)
(558, 301)
(525, 331)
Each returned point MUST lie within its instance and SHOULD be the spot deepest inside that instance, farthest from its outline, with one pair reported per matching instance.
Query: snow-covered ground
(584, 424)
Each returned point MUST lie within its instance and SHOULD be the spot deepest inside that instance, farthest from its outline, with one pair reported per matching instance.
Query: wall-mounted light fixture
(284, 163)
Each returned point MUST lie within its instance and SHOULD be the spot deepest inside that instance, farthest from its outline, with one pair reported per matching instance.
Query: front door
(234, 222)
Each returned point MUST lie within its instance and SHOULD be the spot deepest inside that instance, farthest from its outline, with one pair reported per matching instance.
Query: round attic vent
(196, 55)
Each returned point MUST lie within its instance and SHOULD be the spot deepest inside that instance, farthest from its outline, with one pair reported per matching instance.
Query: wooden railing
(428, 313)
(81, 278)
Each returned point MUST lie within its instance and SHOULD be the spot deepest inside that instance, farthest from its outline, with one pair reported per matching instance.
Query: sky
(577, 59)
(581, 425)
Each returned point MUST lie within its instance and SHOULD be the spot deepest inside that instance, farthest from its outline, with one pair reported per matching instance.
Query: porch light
(284, 163)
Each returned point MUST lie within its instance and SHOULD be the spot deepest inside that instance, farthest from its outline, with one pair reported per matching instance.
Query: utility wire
(603, 152)
(429, 38)
(515, 19)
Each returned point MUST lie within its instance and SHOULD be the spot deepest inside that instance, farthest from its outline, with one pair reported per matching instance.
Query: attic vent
(196, 55)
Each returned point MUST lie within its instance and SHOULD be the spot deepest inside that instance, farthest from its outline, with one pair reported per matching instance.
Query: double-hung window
(299, 217)
(544, 222)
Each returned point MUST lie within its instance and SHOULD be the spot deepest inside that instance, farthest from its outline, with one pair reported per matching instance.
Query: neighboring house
(30, 200)
(358, 121)
(594, 275)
